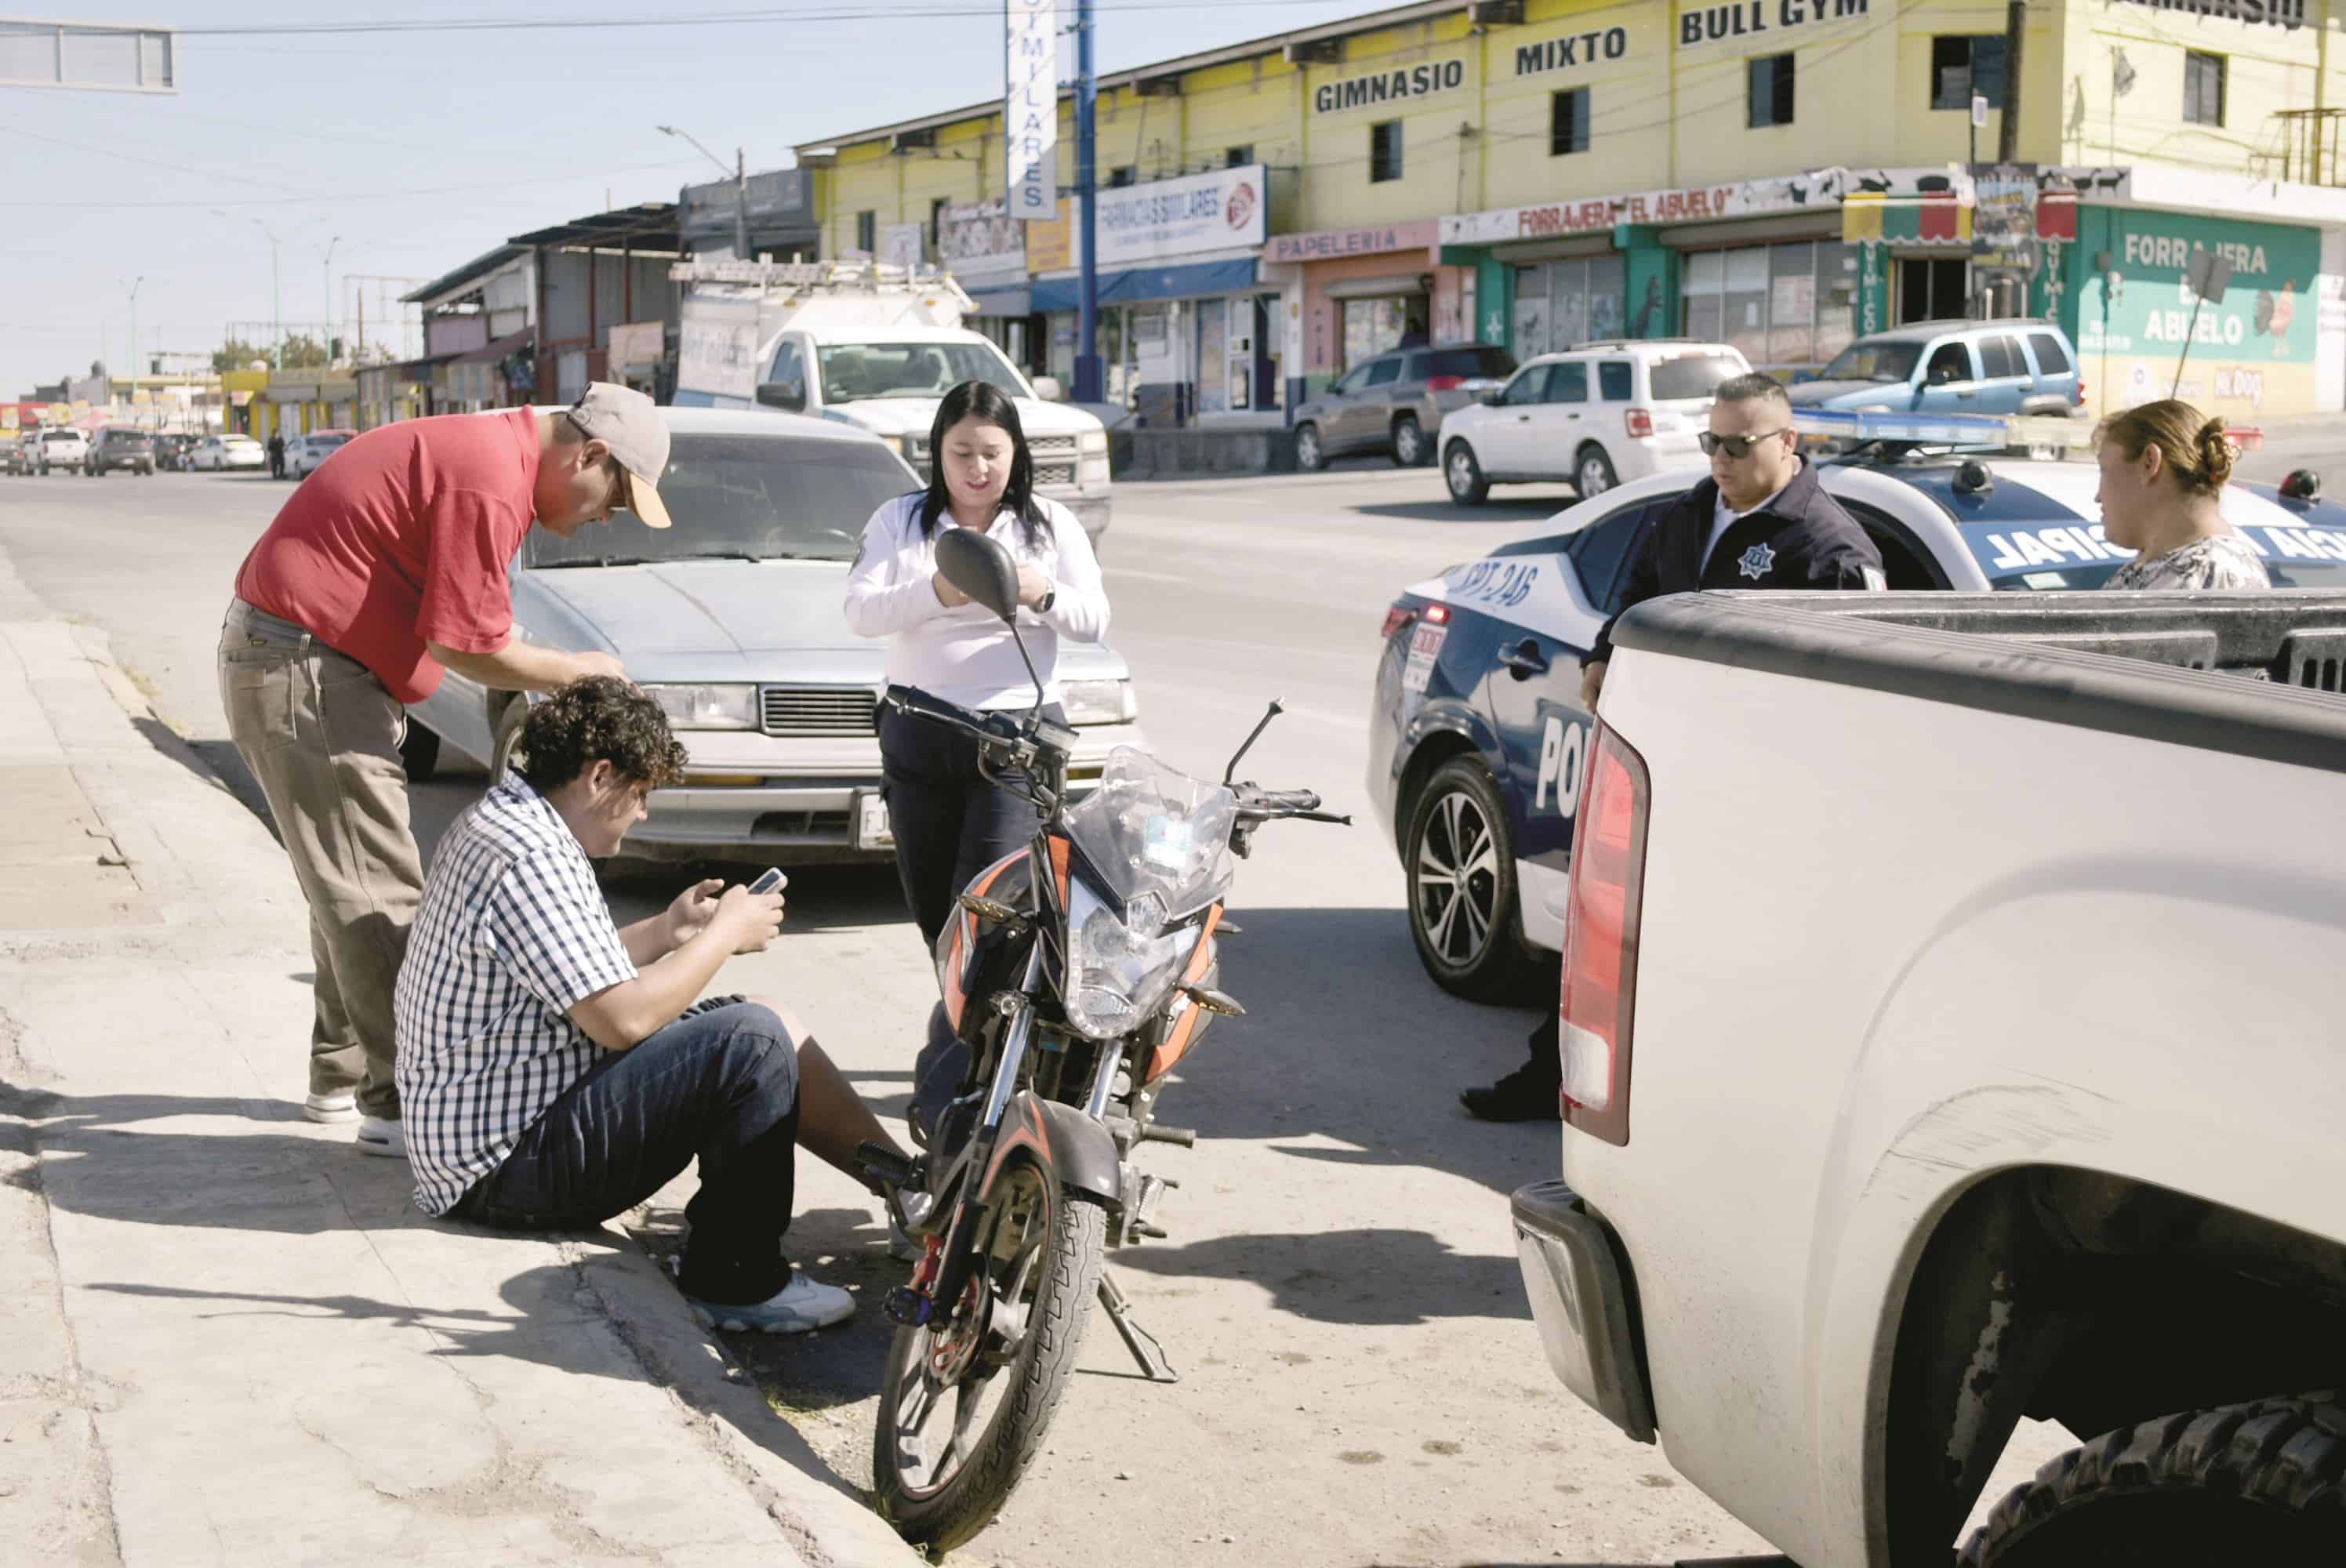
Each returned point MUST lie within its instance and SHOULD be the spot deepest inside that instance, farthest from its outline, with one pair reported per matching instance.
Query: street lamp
(329, 254)
(741, 188)
(277, 293)
(133, 286)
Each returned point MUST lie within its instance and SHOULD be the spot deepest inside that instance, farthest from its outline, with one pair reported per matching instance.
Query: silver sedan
(732, 618)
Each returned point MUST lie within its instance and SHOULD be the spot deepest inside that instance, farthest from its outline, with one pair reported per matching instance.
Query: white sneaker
(800, 1306)
(382, 1135)
(340, 1106)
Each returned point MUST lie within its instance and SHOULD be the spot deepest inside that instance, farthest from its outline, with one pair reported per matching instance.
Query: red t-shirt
(404, 538)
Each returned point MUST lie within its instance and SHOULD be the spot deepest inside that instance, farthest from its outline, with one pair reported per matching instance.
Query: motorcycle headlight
(1100, 702)
(707, 706)
(1124, 964)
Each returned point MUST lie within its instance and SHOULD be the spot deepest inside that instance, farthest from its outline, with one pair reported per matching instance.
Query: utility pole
(337, 239)
(741, 188)
(133, 286)
(276, 289)
(1089, 387)
(2015, 30)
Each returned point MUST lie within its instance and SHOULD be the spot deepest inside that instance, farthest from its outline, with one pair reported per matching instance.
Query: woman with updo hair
(2164, 468)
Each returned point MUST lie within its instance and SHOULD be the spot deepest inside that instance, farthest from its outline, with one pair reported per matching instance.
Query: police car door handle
(1523, 658)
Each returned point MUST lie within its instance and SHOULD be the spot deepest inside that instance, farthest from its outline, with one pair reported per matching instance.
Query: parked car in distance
(734, 620)
(304, 453)
(2011, 366)
(13, 458)
(172, 451)
(217, 453)
(1396, 404)
(67, 449)
(120, 448)
(1592, 417)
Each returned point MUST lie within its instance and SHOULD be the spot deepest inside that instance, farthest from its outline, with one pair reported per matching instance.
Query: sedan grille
(810, 710)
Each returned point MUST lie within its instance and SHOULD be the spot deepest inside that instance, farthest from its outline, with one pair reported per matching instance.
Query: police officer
(1760, 520)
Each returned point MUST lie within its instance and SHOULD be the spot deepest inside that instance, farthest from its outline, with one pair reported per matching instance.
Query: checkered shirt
(513, 932)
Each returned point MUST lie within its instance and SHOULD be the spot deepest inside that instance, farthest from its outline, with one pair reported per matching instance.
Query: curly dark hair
(600, 718)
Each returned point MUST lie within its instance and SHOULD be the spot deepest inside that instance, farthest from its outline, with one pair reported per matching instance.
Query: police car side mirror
(981, 568)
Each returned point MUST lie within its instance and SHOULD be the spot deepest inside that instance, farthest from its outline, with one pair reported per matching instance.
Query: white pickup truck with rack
(876, 346)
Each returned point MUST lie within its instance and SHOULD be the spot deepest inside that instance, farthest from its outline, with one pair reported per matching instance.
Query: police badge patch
(1757, 561)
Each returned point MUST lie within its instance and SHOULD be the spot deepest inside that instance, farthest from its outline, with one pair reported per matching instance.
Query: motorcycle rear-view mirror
(981, 568)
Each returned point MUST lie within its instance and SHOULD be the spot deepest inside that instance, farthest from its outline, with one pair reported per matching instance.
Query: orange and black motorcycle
(1076, 973)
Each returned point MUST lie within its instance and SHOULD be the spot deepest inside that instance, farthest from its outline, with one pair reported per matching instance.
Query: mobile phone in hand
(770, 881)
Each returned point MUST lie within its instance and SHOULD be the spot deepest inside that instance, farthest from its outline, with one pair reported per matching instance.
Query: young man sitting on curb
(557, 1071)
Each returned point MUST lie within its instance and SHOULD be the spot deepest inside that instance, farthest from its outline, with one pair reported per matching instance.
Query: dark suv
(1394, 403)
(131, 449)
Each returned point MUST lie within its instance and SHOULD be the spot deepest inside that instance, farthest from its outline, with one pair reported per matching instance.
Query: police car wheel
(1593, 475)
(1465, 475)
(1461, 884)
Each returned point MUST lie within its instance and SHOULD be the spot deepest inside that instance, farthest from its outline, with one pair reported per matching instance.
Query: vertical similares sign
(1030, 107)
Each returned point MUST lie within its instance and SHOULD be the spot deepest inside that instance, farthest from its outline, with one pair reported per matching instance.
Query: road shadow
(1346, 1038)
(1510, 509)
(1365, 1277)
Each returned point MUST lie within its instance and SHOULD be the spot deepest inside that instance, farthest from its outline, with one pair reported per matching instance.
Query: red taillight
(1444, 383)
(1396, 617)
(1640, 421)
(2079, 391)
(1600, 938)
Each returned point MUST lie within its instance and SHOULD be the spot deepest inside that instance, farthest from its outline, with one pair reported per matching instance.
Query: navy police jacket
(1802, 539)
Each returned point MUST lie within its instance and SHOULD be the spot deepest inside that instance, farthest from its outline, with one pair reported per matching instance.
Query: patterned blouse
(2220, 561)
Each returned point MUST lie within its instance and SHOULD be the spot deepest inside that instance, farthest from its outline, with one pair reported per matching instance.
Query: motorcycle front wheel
(966, 1403)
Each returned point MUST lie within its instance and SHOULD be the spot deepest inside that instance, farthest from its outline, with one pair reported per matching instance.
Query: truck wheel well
(1431, 752)
(2096, 1301)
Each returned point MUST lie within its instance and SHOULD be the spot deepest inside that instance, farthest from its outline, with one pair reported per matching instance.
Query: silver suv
(1396, 403)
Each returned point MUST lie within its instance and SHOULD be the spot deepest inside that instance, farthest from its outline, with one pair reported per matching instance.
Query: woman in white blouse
(950, 820)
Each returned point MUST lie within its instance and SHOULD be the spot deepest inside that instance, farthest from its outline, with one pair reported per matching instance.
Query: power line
(704, 19)
(344, 198)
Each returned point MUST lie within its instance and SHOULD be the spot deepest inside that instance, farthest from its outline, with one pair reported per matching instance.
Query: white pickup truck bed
(1983, 1045)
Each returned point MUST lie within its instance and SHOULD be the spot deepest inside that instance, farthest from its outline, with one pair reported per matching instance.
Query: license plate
(1424, 647)
(871, 829)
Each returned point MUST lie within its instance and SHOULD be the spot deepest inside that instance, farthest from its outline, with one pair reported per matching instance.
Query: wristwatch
(1050, 595)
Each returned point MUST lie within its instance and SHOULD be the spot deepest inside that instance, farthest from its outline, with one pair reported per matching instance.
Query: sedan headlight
(707, 706)
(1093, 442)
(1100, 702)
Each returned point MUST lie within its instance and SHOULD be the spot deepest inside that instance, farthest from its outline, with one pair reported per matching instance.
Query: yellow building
(1539, 172)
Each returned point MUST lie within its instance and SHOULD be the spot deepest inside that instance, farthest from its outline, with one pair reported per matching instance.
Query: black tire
(1461, 884)
(419, 751)
(1311, 457)
(1463, 476)
(1065, 1274)
(1409, 443)
(1591, 472)
(2250, 1483)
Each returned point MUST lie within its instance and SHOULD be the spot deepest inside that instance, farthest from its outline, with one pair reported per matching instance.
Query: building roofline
(1368, 22)
(480, 266)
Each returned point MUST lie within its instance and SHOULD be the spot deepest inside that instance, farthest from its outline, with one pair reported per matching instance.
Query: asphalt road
(1362, 1383)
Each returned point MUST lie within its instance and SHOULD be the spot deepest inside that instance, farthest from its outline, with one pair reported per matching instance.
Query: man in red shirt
(386, 569)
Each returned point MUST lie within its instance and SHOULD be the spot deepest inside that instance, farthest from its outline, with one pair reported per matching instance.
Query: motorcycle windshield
(1149, 829)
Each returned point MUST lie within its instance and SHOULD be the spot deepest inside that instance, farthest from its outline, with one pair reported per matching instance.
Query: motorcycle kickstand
(1138, 1340)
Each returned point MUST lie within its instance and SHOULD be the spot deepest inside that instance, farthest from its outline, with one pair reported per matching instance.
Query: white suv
(1591, 417)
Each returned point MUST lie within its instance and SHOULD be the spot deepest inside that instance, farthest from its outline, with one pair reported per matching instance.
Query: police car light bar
(1972, 432)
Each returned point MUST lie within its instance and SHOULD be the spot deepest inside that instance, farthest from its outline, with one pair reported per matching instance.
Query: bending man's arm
(620, 1017)
(524, 666)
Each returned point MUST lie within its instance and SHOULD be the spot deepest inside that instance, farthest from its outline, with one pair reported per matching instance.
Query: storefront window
(1787, 307)
(1374, 326)
(1531, 311)
(1560, 303)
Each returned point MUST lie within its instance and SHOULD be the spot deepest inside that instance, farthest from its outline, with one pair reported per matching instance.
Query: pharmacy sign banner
(1030, 106)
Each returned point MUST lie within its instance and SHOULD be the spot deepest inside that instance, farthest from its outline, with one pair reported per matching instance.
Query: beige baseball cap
(629, 424)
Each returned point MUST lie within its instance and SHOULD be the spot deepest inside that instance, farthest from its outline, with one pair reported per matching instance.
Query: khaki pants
(321, 735)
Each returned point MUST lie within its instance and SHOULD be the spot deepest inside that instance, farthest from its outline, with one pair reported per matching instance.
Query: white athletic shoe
(340, 1106)
(795, 1309)
(382, 1135)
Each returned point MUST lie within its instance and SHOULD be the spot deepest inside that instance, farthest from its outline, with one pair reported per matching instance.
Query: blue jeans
(719, 1084)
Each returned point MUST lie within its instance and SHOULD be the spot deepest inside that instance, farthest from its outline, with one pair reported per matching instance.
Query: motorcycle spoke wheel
(965, 1404)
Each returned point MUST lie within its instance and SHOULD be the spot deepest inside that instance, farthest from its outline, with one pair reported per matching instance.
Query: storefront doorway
(1560, 303)
(1933, 288)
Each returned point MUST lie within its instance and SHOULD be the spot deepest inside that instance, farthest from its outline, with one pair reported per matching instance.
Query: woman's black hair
(983, 401)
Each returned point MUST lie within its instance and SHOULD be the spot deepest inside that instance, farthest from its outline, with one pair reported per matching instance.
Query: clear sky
(413, 151)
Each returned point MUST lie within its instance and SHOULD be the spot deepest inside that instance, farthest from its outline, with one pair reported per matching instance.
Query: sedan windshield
(856, 370)
(1874, 361)
(745, 497)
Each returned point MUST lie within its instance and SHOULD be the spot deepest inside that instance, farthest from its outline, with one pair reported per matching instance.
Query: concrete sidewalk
(227, 1337)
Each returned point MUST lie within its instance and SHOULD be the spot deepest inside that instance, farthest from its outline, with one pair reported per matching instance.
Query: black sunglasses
(1736, 446)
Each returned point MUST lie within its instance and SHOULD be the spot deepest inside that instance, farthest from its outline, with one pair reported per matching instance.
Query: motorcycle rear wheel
(962, 1411)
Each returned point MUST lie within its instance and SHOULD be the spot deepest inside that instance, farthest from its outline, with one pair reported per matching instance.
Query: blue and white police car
(1477, 738)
